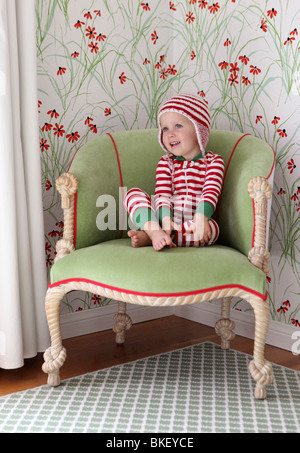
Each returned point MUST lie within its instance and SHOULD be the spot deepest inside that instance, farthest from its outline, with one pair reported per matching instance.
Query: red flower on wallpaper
(107, 112)
(73, 137)
(59, 224)
(234, 67)
(78, 24)
(192, 2)
(94, 47)
(281, 191)
(263, 25)
(98, 12)
(101, 37)
(47, 127)
(223, 65)
(47, 247)
(145, 6)
(227, 42)
(193, 55)
(154, 37)
(49, 260)
(202, 4)
(294, 197)
(88, 120)
(75, 54)
(201, 93)
(282, 132)
(44, 145)
(61, 70)
(146, 61)
(53, 113)
(88, 15)
(295, 322)
(190, 17)
(244, 59)
(271, 13)
(90, 32)
(233, 79)
(246, 81)
(122, 78)
(258, 118)
(158, 65)
(291, 165)
(48, 185)
(59, 130)
(275, 120)
(172, 7)
(163, 74)
(254, 69)
(93, 128)
(289, 40)
(294, 32)
(96, 299)
(214, 8)
(171, 70)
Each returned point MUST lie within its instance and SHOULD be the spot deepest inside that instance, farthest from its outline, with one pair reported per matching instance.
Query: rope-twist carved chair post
(67, 186)
(260, 191)
(122, 323)
(224, 327)
(261, 370)
(55, 355)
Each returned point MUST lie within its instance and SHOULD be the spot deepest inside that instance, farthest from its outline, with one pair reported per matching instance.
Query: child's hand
(169, 225)
(201, 229)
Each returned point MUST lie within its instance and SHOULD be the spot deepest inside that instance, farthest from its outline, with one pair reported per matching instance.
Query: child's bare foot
(153, 234)
(161, 239)
(139, 238)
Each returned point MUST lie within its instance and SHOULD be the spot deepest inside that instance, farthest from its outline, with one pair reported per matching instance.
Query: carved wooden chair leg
(224, 327)
(260, 369)
(122, 323)
(55, 355)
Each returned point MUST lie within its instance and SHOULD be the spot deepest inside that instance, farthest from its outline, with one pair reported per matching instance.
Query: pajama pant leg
(188, 241)
(139, 207)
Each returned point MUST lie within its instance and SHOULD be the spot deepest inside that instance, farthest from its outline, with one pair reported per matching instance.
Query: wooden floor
(99, 350)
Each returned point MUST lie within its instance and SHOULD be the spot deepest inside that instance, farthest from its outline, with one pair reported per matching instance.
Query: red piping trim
(121, 182)
(75, 219)
(137, 293)
(226, 169)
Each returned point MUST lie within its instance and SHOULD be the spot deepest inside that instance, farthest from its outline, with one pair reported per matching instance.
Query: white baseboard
(96, 320)
(279, 334)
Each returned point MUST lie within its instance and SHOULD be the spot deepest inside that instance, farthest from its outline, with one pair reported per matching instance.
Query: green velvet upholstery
(177, 271)
(129, 159)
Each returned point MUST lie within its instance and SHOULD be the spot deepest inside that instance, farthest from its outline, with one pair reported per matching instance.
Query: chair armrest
(67, 186)
(260, 191)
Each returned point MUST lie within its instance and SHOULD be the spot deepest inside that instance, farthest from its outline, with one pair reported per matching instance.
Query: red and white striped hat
(195, 109)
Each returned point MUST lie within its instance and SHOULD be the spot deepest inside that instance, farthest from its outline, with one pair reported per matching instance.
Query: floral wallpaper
(106, 65)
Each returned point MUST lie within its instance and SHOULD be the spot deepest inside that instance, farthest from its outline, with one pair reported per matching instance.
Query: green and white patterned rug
(196, 389)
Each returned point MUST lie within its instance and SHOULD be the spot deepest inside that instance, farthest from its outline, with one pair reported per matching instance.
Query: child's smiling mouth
(172, 144)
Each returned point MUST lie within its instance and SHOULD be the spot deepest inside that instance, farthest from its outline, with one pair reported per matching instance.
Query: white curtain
(23, 281)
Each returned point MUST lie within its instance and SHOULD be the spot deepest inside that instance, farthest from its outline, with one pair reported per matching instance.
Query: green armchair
(95, 253)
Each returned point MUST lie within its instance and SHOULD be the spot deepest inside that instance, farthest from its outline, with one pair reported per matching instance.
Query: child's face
(179, 135)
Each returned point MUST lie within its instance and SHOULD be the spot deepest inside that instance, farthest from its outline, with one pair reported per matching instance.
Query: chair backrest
(108, 165)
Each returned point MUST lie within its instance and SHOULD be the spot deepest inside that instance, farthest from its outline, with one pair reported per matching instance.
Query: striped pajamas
(182, 189)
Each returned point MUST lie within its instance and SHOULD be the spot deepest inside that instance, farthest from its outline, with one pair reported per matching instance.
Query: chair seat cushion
(171, 272)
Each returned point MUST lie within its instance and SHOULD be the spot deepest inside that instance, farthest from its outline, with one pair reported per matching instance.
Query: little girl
(188, 181)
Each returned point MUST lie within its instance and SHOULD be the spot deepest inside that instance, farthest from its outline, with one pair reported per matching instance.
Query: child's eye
(164, 129)
(178, 126)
